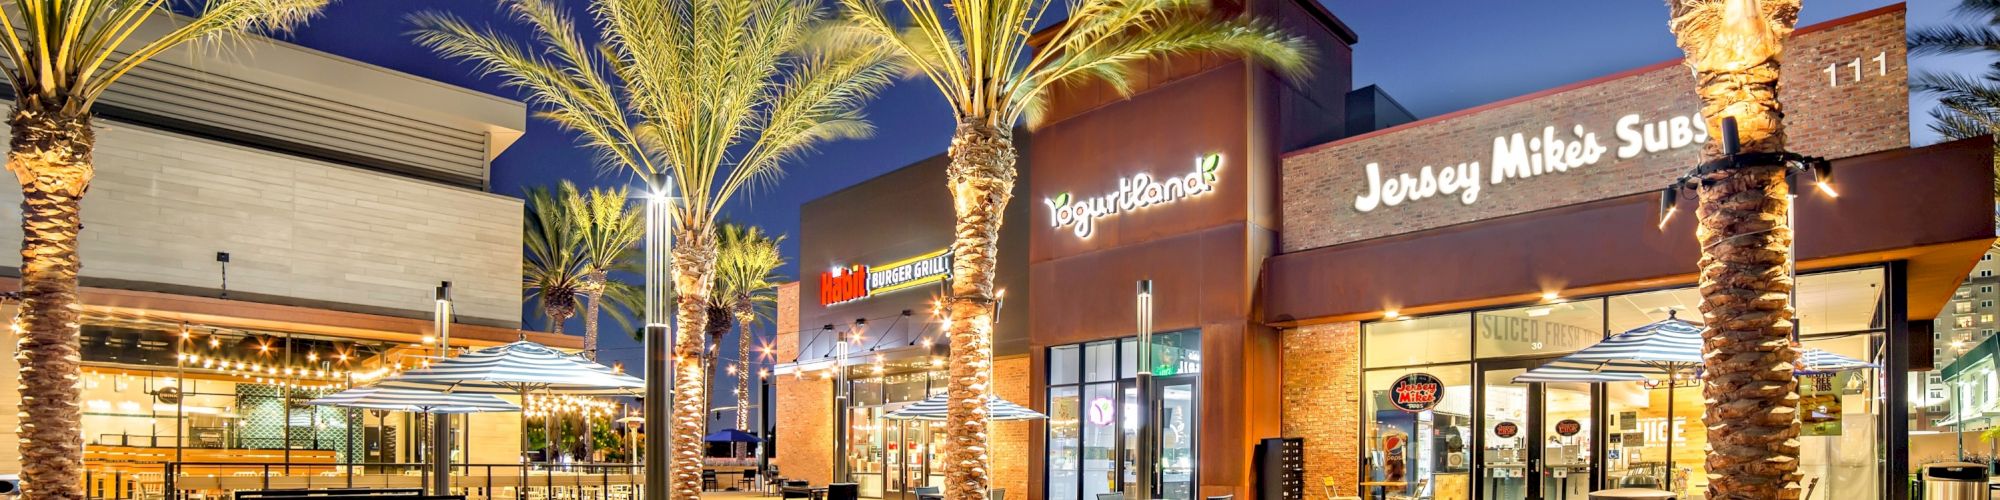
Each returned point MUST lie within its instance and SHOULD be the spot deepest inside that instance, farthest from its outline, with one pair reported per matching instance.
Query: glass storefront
(889, 458)
(1488, 437)
(1093, 429)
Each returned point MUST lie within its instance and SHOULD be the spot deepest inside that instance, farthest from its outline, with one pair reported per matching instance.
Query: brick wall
(1010, 441)
(1834, 118)
(298, 231)
(1322, 402)
(804, 411)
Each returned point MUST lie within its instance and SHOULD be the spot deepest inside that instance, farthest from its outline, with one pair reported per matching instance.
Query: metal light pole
(659, 337)
(441, 423)
(1149, 439)
(840, 404)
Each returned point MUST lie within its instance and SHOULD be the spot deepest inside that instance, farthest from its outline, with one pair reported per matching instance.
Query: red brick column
(1322, 402)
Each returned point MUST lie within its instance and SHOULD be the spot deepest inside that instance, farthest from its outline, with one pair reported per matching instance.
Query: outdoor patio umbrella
(517, 368)
(933, 408)
(1664, 348)
(414, 401)
(731, 436)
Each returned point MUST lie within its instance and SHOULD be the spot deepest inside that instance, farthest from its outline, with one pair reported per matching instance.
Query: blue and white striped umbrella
(1656, 350)
(411, 400)
(933, 409)
(1813, 361)
(517, 368)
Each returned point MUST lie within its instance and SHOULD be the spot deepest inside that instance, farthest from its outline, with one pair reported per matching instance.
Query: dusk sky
(1433, 56)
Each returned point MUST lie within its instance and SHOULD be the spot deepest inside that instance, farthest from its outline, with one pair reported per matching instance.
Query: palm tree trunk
(744, 317)
(51, 156)
(718, 327)
(693, 269)
(981, 177)
(1751, 412)
(593, 300)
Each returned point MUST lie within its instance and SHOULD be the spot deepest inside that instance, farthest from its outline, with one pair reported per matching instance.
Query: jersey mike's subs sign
(1844, 93)
(855, 282)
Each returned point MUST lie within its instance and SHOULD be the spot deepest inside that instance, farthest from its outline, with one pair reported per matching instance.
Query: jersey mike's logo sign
(856, 282)
(1416, 392)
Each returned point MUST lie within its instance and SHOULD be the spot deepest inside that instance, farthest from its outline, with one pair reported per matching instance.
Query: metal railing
(533, 481)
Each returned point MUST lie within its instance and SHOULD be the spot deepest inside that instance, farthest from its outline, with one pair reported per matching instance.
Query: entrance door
(1536, 438)
(1177, 401)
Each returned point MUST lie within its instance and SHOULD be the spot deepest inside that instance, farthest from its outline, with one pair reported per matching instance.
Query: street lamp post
(659, 337)
(441, 423)
(1149, 438)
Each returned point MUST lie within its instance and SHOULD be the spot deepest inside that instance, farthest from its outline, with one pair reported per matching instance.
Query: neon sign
(856, 282)
(1138, 191)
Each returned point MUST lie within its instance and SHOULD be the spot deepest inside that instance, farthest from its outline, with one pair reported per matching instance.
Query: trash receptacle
(1955, 481)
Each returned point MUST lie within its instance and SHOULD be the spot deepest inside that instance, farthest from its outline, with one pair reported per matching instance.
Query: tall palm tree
(60, 56)
(552, 270)
(716, 94)
(1733, 46)
(746, 283)
(610, 228)
(1969, 105)
(978, 54)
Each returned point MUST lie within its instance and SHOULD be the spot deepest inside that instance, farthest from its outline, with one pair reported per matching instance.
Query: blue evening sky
(1434, 56)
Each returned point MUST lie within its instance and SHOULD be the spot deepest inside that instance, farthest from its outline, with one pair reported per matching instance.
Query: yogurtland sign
(1522, 156)
(1133, 193)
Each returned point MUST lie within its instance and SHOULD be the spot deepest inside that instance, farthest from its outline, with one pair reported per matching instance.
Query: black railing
(576, 481)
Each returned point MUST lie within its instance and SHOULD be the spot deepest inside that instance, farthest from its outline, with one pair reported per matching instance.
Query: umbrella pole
(521, 492)
(1670, 431)
(440, 454)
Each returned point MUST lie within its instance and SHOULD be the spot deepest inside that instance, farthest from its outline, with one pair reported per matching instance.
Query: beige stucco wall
(298, 231)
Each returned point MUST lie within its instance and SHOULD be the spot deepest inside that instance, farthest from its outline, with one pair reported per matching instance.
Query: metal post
(441, 423)
(659, 338)
(840, 403)
(1148, 434)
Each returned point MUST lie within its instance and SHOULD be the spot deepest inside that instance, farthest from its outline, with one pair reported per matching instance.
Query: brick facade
(804, 411)
(1322, 402)
(1832, 115)
(1010, 440)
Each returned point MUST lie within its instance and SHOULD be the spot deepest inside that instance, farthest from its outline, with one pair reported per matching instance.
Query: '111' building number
(1853, 68)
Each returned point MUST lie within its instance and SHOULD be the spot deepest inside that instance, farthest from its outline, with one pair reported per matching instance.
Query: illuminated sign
(1099, 411)
(856, 282)
(1506, 430)
(1568, 427)
(1521, 156)
(1133, 193)
(1416, 392)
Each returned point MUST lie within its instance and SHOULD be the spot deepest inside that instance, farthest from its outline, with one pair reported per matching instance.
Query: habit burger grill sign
(1416, 392)
(852, 283)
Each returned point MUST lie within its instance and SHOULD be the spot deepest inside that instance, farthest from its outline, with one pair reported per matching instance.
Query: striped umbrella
(1655, 350)
(517, 368)
(1816, 361)
(414, 401)
(934, 407)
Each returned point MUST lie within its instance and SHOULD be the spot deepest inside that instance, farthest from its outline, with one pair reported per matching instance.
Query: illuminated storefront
(1463, 250)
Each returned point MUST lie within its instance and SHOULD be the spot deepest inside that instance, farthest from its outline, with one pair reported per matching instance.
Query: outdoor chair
(748, 480)
(843, 491)
(707, 480)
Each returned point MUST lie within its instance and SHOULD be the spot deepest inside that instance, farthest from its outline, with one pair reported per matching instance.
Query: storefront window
(1547, 437)
(1418, 341)
(1540, 329)
(1093, 425)
(1421, 454)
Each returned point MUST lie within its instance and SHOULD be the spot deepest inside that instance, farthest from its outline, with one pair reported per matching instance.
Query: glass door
(1536, 437)
(1507, 451)
(1179, 405)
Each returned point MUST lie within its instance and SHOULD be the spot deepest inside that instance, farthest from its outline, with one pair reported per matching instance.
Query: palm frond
(63, 55)
(745, 269)
(552, 267)
(1953, 40)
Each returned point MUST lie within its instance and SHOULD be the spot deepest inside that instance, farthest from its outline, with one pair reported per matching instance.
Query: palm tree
(716, 94)
(610, 230)
(1969, 105)
(746, 284)
(60, 56)
(978, 54)
(552, 270)
(1733, 47)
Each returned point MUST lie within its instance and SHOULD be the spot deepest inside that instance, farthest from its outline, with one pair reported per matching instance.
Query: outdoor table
(1632, 493)
(1382, 487)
